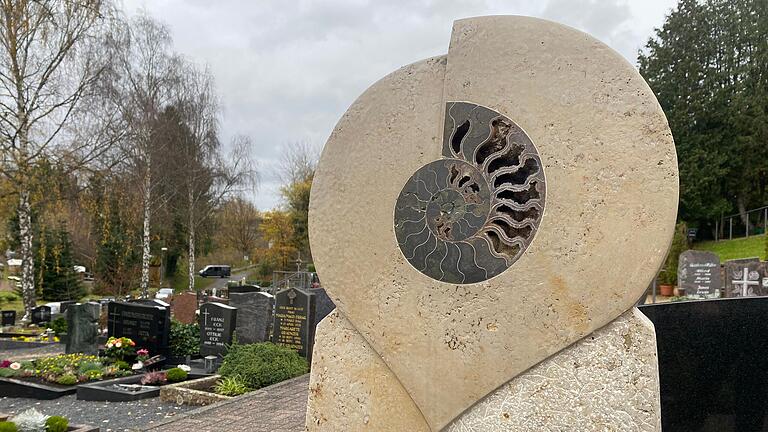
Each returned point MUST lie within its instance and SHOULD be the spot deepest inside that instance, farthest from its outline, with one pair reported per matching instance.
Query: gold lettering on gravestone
(291, 319)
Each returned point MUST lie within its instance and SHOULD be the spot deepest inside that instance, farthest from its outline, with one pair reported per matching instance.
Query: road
(222, 282)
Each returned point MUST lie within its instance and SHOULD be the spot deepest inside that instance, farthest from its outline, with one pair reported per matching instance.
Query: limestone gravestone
(478, 197)
(698, 272)
(217, 326)
(148, 326)
(294, 320)
(9, 318)
(83, 328)
(184, 307)
(41, 315)
(254, 317)
(743, 278)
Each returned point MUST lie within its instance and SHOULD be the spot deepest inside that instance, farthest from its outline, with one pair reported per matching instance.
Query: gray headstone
(294, 320)
(254, 316)
(217, 325)
(698, 272)
(324, 304)
(83, 328)
(743, 278)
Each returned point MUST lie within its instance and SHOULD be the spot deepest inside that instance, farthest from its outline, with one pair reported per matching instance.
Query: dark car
(222, 271)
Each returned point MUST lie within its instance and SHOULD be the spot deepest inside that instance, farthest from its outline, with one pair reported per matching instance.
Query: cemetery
(520, 219)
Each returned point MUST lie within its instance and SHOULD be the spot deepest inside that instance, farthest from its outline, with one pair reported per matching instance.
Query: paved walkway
(278, 408)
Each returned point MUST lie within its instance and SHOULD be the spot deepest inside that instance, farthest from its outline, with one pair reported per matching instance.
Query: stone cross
(745, 283)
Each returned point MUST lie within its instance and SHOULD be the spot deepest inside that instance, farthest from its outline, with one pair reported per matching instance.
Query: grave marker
(83, 328)
(9, 318)
(184, 307)
(217, 325)
(294, 318)
(254, 316)
(41, 314)
(148, 326)
(698, 272)
(744, 279)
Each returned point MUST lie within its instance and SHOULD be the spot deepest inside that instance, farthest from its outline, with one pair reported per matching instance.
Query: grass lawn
(737, 248)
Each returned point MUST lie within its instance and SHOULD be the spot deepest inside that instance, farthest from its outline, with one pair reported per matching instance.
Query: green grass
(737, 248)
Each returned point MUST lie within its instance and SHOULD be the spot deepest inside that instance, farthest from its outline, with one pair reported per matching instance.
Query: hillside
(737, 248)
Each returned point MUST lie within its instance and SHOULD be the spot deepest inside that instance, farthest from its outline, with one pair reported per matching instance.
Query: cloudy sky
(286, 71)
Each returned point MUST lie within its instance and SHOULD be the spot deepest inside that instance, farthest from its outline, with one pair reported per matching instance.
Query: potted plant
(668, 276)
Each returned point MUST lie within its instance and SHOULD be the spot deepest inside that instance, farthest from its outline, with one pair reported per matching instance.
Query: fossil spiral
(469, 216)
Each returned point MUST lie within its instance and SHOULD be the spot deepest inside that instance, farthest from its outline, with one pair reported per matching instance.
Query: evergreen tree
(57, 275)
(708, 66)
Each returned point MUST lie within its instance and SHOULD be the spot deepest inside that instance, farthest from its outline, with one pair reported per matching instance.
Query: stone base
(607, 381)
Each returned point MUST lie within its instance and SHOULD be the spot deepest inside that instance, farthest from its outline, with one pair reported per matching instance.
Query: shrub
(8, 372)
(89, 366)
(67, 379)
(152, 378)
(230, 386)
(176, 375)
(59, 326)
(6, 296)
(678, 246)
(184, 339)
(122, 365)
(56, 424)
(6, 426)
(262, 364)
(30, 420)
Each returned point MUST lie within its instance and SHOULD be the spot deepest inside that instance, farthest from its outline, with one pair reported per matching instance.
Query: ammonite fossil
(469, 216)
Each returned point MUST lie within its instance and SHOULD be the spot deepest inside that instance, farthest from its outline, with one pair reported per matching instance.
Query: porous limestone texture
(612, 193)
(608, 381)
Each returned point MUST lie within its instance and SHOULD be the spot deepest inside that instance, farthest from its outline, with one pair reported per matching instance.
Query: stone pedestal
(607, 381)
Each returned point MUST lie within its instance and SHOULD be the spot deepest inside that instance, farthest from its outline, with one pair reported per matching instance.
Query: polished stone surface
(713, 364)
(698, 273)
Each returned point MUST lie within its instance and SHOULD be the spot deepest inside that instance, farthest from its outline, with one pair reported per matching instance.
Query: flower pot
(666, 290)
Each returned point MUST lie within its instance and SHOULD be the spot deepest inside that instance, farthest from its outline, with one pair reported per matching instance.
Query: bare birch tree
(146, 75)
(50, 62)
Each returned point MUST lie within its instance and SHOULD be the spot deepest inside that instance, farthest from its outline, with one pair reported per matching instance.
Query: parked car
(222, 271)
(164, 293)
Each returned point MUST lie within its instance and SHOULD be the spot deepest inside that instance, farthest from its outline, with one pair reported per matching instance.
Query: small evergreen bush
(262, 364)
(6, 426)
(59, 326)
(56, 424)
(67, 379)
(176, 375)
(184, 339)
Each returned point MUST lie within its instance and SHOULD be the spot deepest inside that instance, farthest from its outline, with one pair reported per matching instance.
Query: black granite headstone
(41, 314)
(217, 325)
(294, 318)
(324, 304)
(744, 279)
(148, 326)
(9, 318)
(698, 272)
(713, 364)
(254, 316)
(63, 306)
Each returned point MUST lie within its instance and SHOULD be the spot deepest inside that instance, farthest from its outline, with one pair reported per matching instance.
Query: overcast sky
(287, 70)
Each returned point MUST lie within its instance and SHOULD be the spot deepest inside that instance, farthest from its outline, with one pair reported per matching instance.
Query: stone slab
(698, 272)
(609, 378)
(611, 170)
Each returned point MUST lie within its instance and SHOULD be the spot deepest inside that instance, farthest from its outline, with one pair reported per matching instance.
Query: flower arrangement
(119, 348)
(142, 355)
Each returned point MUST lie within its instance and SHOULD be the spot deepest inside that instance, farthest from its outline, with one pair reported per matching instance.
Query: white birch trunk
(27, 258)
(191, 252)
(147, 202)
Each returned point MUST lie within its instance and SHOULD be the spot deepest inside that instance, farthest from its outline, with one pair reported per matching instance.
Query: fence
(733, 226)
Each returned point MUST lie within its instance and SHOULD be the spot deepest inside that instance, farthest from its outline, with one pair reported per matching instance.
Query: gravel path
(109, 416)
(31, 353)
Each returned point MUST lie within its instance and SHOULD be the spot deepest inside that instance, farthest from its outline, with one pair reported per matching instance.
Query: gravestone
(743, 278)
(41, 314)
(184, 307)
(455, 295)
(294, 320)
(324, 304)
(241, 288)
(63, 306)
(254, 316)
(9, 318)
(698, 272)
(83, 328)
(217, 325)
(148, 326)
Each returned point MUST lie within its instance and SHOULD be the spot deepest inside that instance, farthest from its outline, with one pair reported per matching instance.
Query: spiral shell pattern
(469, 216)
